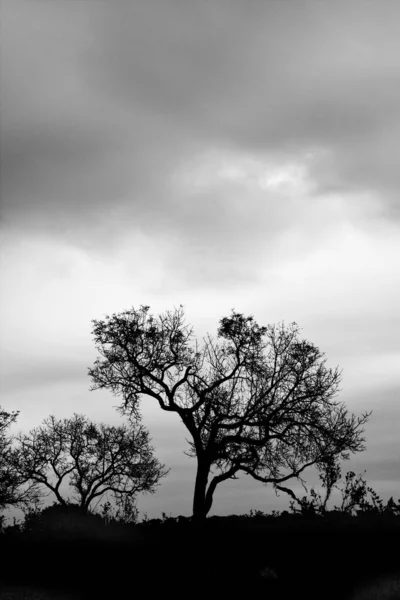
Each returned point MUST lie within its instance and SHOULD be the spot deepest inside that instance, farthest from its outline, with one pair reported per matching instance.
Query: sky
(216, 154)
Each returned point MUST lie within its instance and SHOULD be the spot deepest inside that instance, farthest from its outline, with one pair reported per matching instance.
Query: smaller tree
(12, 490)
(95, 459)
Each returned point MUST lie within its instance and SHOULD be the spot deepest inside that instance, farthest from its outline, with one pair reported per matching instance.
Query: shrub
(59, 520)
(354, 501)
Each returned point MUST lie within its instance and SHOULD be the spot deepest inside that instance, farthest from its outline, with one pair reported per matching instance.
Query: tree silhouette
(264, 405)
(12, 490)
(96, 459)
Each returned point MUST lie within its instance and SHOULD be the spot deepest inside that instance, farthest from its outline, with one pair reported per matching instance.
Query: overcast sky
(215, 154)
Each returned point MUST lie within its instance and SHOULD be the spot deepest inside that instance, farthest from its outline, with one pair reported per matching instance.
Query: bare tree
(13, 492)
(93, 458)
(264, 405)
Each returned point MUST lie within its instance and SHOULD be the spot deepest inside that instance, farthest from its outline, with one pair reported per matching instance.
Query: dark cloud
(281, 76)
(111, 112)
(103, 103)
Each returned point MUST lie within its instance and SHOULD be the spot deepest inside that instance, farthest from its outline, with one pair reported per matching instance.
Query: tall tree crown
(262, 400)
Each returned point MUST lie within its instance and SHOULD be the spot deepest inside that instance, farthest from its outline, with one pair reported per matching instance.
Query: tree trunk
(200, 506)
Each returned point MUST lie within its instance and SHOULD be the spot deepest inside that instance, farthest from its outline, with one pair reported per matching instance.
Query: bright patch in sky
(254, 173)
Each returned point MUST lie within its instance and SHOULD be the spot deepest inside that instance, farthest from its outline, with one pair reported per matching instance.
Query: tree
(264, 404)
(95, 458)
(12, 491)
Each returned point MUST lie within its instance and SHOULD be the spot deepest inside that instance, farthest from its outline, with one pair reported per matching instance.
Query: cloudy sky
(217, 154)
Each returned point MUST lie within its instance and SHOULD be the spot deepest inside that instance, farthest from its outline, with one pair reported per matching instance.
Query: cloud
(73, 162)
(104, 105)
(277, 77)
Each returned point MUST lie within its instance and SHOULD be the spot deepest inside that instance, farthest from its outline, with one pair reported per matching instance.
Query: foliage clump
(63, 521)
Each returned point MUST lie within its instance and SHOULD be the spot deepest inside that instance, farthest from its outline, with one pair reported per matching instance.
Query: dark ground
(219, 559)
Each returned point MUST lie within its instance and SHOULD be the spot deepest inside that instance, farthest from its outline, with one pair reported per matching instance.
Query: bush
(354, 501)
(60, 521)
